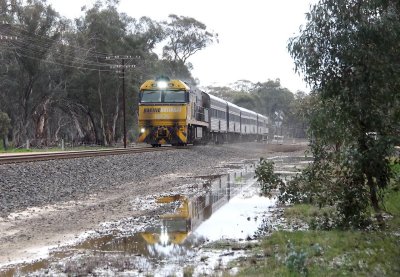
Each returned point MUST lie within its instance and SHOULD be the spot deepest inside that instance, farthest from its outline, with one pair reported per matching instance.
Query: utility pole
(123, 99)
(122, 66)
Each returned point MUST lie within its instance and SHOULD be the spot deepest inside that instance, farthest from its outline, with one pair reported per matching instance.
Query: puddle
(229, 208)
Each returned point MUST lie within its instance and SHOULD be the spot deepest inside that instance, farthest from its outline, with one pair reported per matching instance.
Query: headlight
(162, 84)
(142, 130)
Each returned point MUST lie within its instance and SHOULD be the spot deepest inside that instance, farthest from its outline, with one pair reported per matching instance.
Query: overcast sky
(253, 35)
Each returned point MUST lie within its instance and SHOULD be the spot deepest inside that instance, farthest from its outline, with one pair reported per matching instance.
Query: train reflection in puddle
(174, 235)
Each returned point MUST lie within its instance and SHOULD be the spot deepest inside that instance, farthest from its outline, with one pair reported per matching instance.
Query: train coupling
(162, 132)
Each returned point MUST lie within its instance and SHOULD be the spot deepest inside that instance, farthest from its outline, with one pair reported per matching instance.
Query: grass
(392, 206)
(306, 212)
(13, 150)
(50, 149)
(329, 253)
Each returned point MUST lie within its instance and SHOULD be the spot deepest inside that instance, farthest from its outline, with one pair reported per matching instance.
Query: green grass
(392, 206)
(51, 149)
(328, 253)
(306, 212)
(14, 150)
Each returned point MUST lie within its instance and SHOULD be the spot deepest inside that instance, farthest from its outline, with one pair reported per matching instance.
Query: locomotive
(170, 112)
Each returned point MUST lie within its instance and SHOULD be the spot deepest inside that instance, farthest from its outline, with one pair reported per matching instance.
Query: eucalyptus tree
(112, 37)
(25, 56)
(274, 99)
(243, 85)
(349, 54)
(185, 36)
(225, 92)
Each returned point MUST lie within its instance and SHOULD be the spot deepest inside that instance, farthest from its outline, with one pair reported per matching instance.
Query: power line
(64, 64)
(33, 46)
(46, 41)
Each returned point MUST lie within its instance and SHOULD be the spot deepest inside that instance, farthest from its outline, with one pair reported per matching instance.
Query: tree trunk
(42, 122)
(23, 132)
(5, 142)
(116, 115)
(77, 125)
(373, 192)
(93, 125)
(102, 125)
(60, 125)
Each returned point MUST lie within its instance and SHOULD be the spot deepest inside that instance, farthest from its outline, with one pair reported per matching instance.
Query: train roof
(233, 105)
(246, 110)
(262, 116)
(217, 99)
(171, 85)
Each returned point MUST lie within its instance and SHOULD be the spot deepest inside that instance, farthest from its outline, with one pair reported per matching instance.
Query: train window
(174, 96)
(153, 96)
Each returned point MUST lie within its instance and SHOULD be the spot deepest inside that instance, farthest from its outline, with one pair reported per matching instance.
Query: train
(172, 112)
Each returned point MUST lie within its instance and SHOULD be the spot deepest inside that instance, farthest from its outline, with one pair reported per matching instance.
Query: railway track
(33, 157)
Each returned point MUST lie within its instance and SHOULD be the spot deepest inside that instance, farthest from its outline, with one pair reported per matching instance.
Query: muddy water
(230, 208)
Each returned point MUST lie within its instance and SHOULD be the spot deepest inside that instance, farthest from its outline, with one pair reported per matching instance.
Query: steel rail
(20, 158)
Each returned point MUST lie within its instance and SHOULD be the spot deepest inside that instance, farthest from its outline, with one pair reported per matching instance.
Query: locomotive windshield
(151, 96)
(163, 96)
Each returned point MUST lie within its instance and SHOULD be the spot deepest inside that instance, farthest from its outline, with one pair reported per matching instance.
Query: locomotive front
(163, 111)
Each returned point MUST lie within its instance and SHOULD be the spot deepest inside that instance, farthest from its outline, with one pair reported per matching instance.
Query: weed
(296, 260)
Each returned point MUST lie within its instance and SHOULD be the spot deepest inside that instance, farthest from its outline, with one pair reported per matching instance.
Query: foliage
(186, 36)
(296, 190)
(296, 260)
(348, 52)
(266, 177)
(274, 99)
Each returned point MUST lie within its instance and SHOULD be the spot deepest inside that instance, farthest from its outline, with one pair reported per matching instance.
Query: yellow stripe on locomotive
(164, 110)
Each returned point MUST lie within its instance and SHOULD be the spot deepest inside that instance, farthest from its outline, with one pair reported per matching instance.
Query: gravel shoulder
(49, 203)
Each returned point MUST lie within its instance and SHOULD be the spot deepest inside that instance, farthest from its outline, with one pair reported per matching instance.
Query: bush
(266, 177)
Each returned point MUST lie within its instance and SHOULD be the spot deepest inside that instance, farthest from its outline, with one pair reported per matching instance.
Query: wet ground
(174, 239)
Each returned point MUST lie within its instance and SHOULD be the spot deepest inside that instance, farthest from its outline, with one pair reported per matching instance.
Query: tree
(224, 92)
(24, 84)
(246, 100)
(243, 85)
(4, 128)
(56, 80)
(110, 33)
(349, 54)
(185, 36)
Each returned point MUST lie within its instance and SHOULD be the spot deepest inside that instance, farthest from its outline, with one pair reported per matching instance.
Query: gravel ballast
(33, 184)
